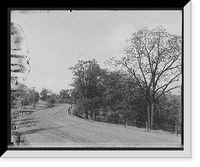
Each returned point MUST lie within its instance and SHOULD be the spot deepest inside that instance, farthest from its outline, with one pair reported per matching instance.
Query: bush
(60, 100)
(50, 102)
(79, 112)
(114, 118)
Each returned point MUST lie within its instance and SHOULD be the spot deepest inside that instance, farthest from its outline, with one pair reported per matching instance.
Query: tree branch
(167, 84)
(159, 108)
(163, 92)
(148, 54)
(132, 72)
(133, 95)
(166, 68)
(130, 108)
(139, 62)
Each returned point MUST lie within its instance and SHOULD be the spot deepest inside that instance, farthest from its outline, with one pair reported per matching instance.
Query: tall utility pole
(34, 98)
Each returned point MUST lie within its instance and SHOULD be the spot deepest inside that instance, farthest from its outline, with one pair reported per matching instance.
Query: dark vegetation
(139, 91)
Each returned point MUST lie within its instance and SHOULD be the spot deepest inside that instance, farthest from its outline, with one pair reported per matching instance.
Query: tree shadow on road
(39, 129)
(32, 131)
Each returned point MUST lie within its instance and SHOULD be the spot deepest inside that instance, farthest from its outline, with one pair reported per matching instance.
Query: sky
(57, 39)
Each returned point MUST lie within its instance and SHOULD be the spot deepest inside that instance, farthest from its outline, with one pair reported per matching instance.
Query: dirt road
(54, 127)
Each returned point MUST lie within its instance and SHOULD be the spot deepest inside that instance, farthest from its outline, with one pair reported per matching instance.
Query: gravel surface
(53, 127)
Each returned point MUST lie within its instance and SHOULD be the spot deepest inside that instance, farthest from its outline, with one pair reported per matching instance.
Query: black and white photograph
(96, 79)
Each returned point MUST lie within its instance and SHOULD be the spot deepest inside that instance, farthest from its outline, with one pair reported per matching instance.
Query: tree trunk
(152, 114)
(94, 115)
(91, 115)
(148, 117)
(86, 114)
(135, 122)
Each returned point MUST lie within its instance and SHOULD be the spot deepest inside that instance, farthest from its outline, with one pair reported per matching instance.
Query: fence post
(176, 130)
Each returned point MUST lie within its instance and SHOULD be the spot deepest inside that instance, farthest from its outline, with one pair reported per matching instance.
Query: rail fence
(155, 128)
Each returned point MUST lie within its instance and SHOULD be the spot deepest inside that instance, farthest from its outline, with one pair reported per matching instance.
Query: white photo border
(185, 153)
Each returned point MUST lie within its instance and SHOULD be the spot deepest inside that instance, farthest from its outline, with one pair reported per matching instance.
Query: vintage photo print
(100, 80)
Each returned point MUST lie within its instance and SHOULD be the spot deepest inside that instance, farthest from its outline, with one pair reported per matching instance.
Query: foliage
(170, 112)
(88, 85)
(153, 59)
(44, 94)
(32, 96)
(64, 96)
(17, 95)
(28, 95)
(51, 98)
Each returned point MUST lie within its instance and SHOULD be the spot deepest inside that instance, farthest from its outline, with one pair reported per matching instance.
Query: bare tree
(153, 58)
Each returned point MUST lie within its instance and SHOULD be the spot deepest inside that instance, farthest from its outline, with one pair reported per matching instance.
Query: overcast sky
(58, 39)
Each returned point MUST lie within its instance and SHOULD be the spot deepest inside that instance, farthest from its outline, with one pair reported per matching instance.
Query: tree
(121, 97)
(32, 96)
(51, 98)
(133, 105)
(113, 90)
(64, 96)
(44, 94)
(153, 58)
(87, 85)
(36, 96)
(170, 113)
(18, 95)
(74, 96)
